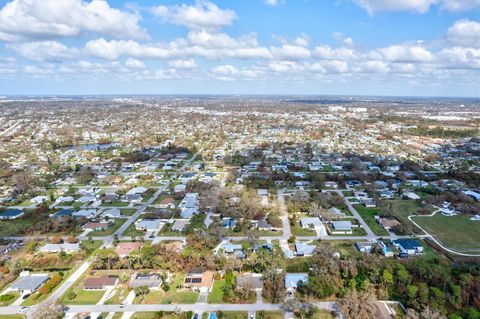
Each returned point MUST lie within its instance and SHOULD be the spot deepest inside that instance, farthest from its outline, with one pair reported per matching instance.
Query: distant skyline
(294, 47)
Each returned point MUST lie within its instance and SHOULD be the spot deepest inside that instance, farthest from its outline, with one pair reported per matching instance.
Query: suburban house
(149, 224)
(364, 247)
(85, 213)
(152, 281)
(292, 280)
(304, 250)
(100, 226)
(56, 248)
(249, 281)
(408, 247)
(341, 227)
(228, 248)
(197, 279)
(100, 283)
(310, 222)
(189, 205)
(410, 195)
(62, 213)
(180, 224)
(167, 202)
(111, 213)
(387, 222)
(136, 193)
(27, 283)
(124, 249)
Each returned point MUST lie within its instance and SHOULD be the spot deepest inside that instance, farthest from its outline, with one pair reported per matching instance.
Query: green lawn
(128, 211)
(13, 295)
(216, 296)
(121, 292)
(12, 317)
(132, 231)
(270, 315)
(172, 296)
(297, 230)
(83, 297)
(154, 315)
(368, 215)
(404, 208)
(110, 230)
(235, 315)
(455, 232)
(115, 204)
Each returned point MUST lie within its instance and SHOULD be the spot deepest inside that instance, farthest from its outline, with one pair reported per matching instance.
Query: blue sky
(367, 47)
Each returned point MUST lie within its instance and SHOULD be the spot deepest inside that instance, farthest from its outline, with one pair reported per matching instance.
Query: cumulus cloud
(134, 64)
(49, 19)
(419, 6)
(290, 52)
(201, 15)
(406, 53)
(464, 33)
(43, 50)
(183, 64)
(459, 5)
(272, 3)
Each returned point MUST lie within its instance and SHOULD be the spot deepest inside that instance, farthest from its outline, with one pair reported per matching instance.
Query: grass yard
(83, 297)
(13, 316)
(368, 215)
(235, 315)
(128, 211)
(323, 314)
(132, 231)
(8, 299)
(216, 296)
(270, 315)
(404, 208)
(172, 296)
(121, 292)
(455, 232)
(110, 230)
(115, 204)
(297, 230)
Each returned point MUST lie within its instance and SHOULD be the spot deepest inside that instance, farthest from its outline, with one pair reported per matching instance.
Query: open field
(83, 297)
(368, 215)
(404, 208)
(455, 232)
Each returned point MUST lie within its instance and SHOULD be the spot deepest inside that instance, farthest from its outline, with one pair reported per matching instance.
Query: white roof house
(55, 248)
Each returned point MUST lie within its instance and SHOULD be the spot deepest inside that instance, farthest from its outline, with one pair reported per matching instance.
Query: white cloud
(458, 57)
(374, 6)
(459, 5)
(225, 69)
(342, 53)
(406, 53)
(43, 50)
(272, 3)
(111, 50)
(419, 6)
(201, 15)
(290, 52)
(48, 19)
(464, 33)
(183, 64)
(134, 64)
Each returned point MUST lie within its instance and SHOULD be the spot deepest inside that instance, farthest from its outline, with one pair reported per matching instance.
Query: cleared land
(455, 232)
(368, 215)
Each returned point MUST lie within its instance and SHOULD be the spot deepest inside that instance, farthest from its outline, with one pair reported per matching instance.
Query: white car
(23, 309)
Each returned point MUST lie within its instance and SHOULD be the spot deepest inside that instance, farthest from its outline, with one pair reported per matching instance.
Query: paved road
(287, 232)
(355, 213)
(11, 128)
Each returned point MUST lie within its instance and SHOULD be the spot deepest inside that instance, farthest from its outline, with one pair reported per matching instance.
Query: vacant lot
(83, 297)
(216, 296)
(368, 215)
(404, 208)
(455, 232)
